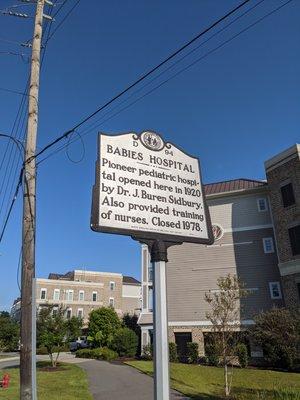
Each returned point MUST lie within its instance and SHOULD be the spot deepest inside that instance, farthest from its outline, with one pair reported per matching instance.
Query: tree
(125, 342)
(103, 324)
(131, 322)
(277, 332)
(52, 328)
(74, 328)
(9, 332)
(225, 317)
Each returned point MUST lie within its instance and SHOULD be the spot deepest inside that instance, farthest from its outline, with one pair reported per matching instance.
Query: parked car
(80, 343)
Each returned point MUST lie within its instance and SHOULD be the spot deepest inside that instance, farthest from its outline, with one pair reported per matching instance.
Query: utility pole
(27, 369)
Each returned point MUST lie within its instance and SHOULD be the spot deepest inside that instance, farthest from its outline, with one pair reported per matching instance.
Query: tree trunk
(226, 379)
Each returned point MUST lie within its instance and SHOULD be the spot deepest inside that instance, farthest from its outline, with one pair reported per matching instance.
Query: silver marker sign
(149, 188)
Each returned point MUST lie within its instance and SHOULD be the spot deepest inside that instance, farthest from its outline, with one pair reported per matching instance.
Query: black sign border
(144, 235)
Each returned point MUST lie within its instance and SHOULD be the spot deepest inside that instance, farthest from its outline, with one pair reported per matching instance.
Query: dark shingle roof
(66, 276)
(233, 185)
(129, 280)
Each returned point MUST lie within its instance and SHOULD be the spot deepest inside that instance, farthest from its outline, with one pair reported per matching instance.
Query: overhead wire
(142, 78)
(85, 132)
(25, 93)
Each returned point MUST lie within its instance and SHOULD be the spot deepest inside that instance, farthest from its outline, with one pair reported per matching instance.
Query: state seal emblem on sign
(217, 232)
(152, 141)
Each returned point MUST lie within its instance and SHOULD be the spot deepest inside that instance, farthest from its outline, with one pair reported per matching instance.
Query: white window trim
(265, 247)
(113, 301)
(67, 294)
(266, 204)
(56, 291)
(279, 290)
(43, 290)
(81, 292)
(112, 283)
(80, 309)
(96, 293)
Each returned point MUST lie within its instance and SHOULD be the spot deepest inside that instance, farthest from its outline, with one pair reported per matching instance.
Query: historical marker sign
(148, 188)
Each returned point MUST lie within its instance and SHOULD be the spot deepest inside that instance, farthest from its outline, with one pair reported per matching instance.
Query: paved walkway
(108, 381)
(118, 381)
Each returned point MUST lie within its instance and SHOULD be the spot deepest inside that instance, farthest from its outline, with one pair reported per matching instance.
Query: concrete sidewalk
(109, 381)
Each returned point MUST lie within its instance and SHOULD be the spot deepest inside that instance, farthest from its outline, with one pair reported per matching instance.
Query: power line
(143, 77)
(85, 132)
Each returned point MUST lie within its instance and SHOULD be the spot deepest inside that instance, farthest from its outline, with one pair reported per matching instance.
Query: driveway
(118, 381)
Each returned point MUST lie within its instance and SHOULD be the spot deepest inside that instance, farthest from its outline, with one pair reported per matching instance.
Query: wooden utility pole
(27, 373)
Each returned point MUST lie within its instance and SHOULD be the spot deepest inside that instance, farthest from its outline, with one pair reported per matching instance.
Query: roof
(55, 276)
(129, 280)
(233, 185)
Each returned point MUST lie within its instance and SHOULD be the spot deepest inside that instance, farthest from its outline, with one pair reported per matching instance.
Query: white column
(161, 345)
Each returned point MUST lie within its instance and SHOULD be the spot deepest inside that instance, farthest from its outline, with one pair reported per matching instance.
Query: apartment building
(249, 218)
(81, 291)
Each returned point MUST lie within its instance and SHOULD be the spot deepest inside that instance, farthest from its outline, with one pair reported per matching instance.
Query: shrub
(192, 354)
(125, 342)
(242, 353)
(277, 332)
(42, 350)
(173, 356)
(212, 355)
(103, 324)
(147, 353)
(102, 353)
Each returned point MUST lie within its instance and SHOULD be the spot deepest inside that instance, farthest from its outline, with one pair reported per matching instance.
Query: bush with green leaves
(147, 353)
(125, 342)
(192, 352)
(102, 353)
(242, 354)
(103, 324)
(9, 332)
(173, 356)
(212, 354)
(277, 332)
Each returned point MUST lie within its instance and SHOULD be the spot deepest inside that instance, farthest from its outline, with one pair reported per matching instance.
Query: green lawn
(70, 383)
(206, 383)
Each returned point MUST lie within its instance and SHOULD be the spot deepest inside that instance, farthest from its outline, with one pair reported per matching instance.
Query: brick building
(80, 291)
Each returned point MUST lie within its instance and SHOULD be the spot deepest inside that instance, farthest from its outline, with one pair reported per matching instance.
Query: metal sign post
(151, 190)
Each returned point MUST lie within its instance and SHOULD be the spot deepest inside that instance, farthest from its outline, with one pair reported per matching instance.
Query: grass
(68, 383)
(206, 383)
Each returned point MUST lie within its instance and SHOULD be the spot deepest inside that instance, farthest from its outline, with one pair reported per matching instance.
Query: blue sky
(234, 109)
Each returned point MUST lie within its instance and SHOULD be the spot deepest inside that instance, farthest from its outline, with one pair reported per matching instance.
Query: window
(112, 285)
(69, 313)
(268, 245)
(43, 294)
(275, 290)
(111, 302)
(80, 313)
(298, 287)
(81, 295)
(150, 272)
(94, 296)
(294, 234)
(69, 295)
(262, 204)
(54, 311)
(56, 294)
(287, 194)
(150, 299)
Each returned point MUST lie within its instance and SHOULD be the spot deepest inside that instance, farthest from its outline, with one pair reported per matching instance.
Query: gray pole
(158, 250)
(33, 358)
(28, 240)
(161, 343)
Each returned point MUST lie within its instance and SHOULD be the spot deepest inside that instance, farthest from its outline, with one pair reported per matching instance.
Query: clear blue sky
(235, 109)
